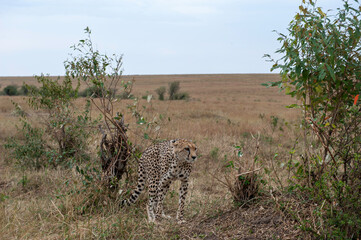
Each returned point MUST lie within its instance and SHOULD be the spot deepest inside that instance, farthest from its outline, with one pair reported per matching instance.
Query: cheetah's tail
(135, 195)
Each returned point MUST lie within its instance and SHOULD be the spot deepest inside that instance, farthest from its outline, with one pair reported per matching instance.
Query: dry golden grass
(221, 112)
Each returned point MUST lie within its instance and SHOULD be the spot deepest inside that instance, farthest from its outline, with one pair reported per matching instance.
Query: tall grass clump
(240, 172)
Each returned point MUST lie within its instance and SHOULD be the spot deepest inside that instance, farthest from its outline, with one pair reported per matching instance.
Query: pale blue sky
(155, 36)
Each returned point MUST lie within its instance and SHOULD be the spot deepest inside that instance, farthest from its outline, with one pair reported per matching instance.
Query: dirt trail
(260, 221)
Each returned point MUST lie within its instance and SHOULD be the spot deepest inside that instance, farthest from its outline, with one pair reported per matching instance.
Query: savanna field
(272, 164)
(222, 112)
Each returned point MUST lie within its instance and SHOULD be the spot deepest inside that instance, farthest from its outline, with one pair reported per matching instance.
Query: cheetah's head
(185, 150)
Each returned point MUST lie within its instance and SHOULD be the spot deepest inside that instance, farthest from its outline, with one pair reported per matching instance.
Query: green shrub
(160, 91)
(174, 93)
(173, 90)
(67, 129)
(11, 90)
(23, 90)
(181, 96)
(320, 65)
(29, 151)
(103, 72)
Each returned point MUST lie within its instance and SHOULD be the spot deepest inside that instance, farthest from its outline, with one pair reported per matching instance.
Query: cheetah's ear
(174, 142)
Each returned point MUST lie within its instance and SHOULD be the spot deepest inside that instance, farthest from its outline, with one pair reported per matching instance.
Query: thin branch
(245, 173)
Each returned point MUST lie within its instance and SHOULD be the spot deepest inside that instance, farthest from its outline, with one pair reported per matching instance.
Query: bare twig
(245, 173)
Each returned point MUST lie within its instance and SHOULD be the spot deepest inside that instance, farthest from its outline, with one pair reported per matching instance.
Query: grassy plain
(223, 111)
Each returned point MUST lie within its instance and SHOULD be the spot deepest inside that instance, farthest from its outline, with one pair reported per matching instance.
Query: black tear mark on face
(189, 151)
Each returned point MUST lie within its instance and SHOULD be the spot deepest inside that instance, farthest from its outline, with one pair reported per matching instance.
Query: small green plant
(214, 153)
(3, 197)
(24, 180)
(30, 150)
(147, 96)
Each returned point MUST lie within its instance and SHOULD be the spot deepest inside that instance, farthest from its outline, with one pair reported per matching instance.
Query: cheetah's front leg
(182, 197)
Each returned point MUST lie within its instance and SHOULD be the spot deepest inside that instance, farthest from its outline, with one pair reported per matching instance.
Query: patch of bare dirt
(261, 221)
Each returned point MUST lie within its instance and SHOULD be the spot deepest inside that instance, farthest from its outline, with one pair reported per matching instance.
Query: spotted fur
(159, 165)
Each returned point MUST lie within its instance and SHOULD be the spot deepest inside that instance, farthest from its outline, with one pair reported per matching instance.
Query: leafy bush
(63, 136)
(173, 90)
(11, 90)
(103, 73)
(30, 150)
(160, 91)
(181, 96)
(174, 93)
(24, 90)
(321, 66)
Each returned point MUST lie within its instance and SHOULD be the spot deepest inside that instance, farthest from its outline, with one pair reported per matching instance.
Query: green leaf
(230, 164)
(294, 105)
(240, 153)
(330, 70)
(141, 121)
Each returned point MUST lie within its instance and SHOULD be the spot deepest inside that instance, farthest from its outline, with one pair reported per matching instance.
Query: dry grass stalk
(243, 180)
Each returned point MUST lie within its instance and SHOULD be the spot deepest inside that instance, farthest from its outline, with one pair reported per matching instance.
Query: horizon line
(154, 74)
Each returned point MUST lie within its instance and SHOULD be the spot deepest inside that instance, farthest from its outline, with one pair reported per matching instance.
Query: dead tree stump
(114, 153)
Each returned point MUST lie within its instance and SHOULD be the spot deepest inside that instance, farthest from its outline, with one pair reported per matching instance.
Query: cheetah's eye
(187, 148)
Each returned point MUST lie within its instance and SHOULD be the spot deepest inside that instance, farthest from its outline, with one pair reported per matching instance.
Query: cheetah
(159, 165)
